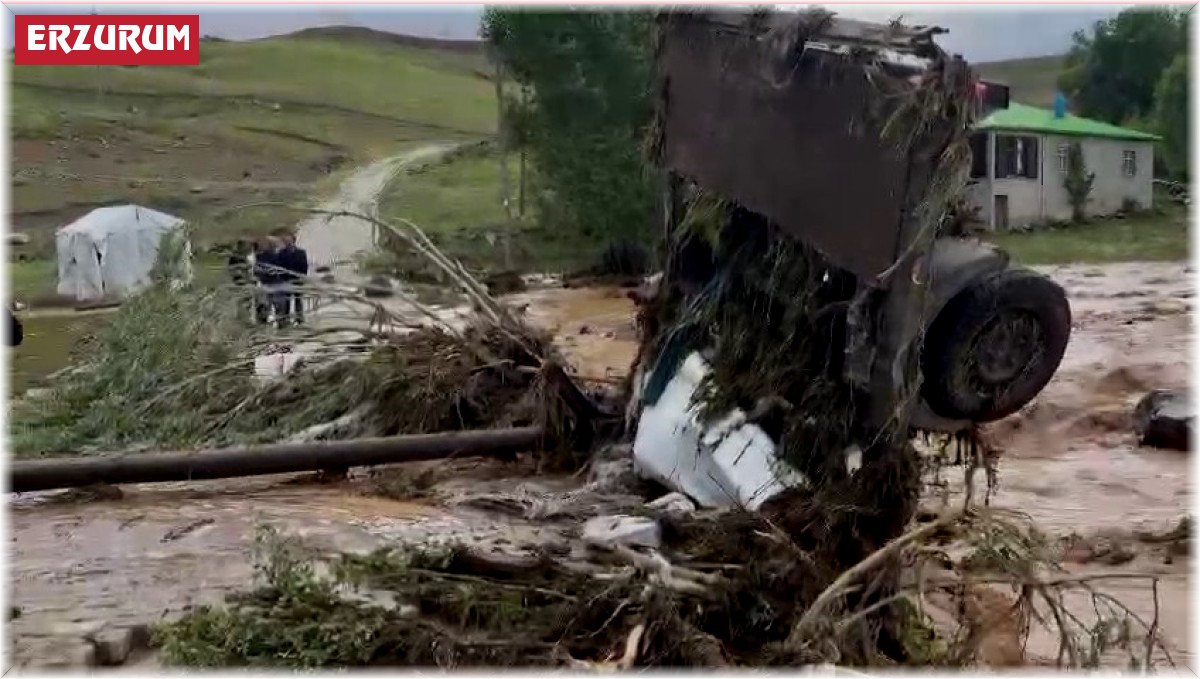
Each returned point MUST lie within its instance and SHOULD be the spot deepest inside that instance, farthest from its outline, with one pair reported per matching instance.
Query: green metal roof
(1022, 118)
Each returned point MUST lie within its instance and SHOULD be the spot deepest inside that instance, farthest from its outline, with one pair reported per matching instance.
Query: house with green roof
(1019, 162)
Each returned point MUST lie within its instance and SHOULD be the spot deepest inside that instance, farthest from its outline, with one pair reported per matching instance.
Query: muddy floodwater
(1070, 461)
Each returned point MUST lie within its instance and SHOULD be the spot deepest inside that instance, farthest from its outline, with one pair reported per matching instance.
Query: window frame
(1013, 149)
(1129, 163)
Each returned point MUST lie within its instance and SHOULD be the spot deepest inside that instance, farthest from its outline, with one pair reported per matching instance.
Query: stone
(378, 286)
(113, 646)
(628, 531)
(1163, 419)
(674, 503)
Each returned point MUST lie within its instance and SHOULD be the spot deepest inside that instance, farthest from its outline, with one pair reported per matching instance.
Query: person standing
(240, 273)
(294, 260)
(266, 272)
(16, 331)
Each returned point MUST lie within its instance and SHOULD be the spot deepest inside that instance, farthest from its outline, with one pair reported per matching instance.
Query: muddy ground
(87, 565)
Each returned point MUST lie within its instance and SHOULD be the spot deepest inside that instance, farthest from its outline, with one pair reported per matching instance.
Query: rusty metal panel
(799, 147)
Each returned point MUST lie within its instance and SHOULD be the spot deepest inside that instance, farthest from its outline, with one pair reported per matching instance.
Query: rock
(378, 286)
(113, 646)
(505, 283)
(628, 531)
(197, 189)
(1163, 419)
(674, 503)
(1109, 547)
(583, 329)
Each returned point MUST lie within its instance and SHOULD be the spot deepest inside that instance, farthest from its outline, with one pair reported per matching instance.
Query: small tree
(1078, 182)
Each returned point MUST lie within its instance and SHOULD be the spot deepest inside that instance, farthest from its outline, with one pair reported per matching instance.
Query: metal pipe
(71, 472)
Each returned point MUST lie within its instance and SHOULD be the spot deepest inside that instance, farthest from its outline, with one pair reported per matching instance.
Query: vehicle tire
(995, 346)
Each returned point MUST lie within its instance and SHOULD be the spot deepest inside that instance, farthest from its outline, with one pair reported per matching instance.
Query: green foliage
(296, 620)
(1111, 74)
(1078, 182)
(1172, 115)
(588, 74)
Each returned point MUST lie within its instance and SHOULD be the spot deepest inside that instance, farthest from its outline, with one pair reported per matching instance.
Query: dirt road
(335, 241)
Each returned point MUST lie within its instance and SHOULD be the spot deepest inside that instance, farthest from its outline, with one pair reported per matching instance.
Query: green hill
(264, 120)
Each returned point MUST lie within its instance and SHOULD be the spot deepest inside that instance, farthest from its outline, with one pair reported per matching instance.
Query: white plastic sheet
(729, 463)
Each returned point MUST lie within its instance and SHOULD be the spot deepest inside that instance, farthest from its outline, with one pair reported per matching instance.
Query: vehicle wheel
(995, 346)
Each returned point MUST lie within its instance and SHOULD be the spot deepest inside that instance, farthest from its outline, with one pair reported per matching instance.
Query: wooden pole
(505, 191)
(521, 169)
(71, 472)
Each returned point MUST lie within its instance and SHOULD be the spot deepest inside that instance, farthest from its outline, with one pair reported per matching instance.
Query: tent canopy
(110, 251)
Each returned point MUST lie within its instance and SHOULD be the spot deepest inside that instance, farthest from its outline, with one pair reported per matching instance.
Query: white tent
(110, 251)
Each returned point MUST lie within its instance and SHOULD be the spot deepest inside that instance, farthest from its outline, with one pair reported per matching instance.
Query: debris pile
(666, 586)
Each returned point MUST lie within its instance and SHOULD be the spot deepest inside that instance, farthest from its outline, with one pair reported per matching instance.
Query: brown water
(1070, 462)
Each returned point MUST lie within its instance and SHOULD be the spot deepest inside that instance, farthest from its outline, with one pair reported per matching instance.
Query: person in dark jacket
(241, 274)
(294, 260)
(239, 264)
(266, 272)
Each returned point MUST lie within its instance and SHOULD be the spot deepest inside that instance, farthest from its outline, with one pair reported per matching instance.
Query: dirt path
(1070, 461)
(334, 242)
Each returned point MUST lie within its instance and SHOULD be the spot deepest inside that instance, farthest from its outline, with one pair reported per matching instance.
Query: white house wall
(1024, 199)
(1045, 199)
(1111, 187)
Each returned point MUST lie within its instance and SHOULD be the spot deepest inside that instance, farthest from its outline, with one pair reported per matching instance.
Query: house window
(1129, 163)
(1016, 157)
(1064, 155)
(979, 155)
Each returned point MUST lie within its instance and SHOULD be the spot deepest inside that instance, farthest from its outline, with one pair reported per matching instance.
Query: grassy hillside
(458, 203)
(266, 120)
(1031, 81)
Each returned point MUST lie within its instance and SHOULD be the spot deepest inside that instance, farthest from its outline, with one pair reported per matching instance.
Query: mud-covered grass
(1153, 237)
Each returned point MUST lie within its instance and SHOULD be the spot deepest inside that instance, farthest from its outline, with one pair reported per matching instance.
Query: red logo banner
(107, 40)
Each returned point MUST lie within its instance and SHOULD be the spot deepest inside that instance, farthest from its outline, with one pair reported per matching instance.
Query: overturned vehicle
(809, 308)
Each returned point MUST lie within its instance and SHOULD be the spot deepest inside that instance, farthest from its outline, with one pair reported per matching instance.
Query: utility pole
(505, 192)
(524, 148)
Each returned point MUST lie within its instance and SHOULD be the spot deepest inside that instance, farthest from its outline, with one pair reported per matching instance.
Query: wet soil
(1070, 461)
